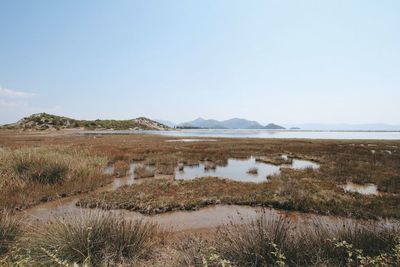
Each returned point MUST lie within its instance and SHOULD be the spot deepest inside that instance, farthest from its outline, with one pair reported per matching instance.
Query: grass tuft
(253, 170)
(142, 171)
(121, 168)
(93, 238)
(9, 229)
(278, 241)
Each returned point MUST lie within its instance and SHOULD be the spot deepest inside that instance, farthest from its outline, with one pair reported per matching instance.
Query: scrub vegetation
(33, 174)
(44, 121)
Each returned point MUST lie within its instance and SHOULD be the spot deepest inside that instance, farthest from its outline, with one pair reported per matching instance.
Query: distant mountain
(273, 126)
(345, 127)
(165, 122)
(235, 123)
(202, 123)
(44, 121)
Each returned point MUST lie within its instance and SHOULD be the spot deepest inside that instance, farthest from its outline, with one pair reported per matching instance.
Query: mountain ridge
(234, 123)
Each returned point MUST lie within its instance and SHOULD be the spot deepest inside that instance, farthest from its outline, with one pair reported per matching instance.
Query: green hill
(44, 121)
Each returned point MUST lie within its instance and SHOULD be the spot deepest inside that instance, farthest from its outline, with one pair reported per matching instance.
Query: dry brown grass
(10, 227)
(253, 170)
(282, 192)
(121, 168)
(142, 171)
(31, 175)
(275, 160)
(279, 241)
(93, 238)
(340, 161)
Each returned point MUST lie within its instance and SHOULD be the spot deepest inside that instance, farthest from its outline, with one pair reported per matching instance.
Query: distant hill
(235, 123)
(273, 126)
(165, 122)
(44, 121)
(202, 123)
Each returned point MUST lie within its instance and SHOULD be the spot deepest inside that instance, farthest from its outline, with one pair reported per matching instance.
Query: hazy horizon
(320, 126)
(284, 62)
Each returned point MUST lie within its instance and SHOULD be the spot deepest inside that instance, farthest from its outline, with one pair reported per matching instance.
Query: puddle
(299, 164)
(364, 189)
(204, 219)
(60, 207)
(238, 170)
(129, 179)
(207, 218)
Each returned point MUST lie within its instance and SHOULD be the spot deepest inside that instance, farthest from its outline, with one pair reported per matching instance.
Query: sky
(276, 61)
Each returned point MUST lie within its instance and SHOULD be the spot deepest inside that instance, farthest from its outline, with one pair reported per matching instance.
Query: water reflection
(129, 179)
(238, 170)
(300, 164)
(364, 189)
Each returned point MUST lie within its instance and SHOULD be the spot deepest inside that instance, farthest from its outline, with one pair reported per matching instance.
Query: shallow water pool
(237, 170)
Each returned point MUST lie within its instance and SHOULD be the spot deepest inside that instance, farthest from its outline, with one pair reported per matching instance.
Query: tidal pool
(237, 169)
(299, 164)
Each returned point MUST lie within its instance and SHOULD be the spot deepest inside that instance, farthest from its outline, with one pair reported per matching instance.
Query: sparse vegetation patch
(282, 192)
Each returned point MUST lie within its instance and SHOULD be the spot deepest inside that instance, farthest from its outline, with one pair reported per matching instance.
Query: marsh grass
(121, 168)
(210, 165)
(190, 250)
(279, 241)
(288, 191)
(10, 227)
(165, 169)
(275, 160)
(253, 170)
(29, 175)
(93, 238)
(142, 171)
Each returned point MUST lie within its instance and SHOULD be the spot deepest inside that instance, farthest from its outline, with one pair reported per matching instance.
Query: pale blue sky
(272, 61)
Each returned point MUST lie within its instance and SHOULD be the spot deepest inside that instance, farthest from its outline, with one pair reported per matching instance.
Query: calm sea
(242, 133)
